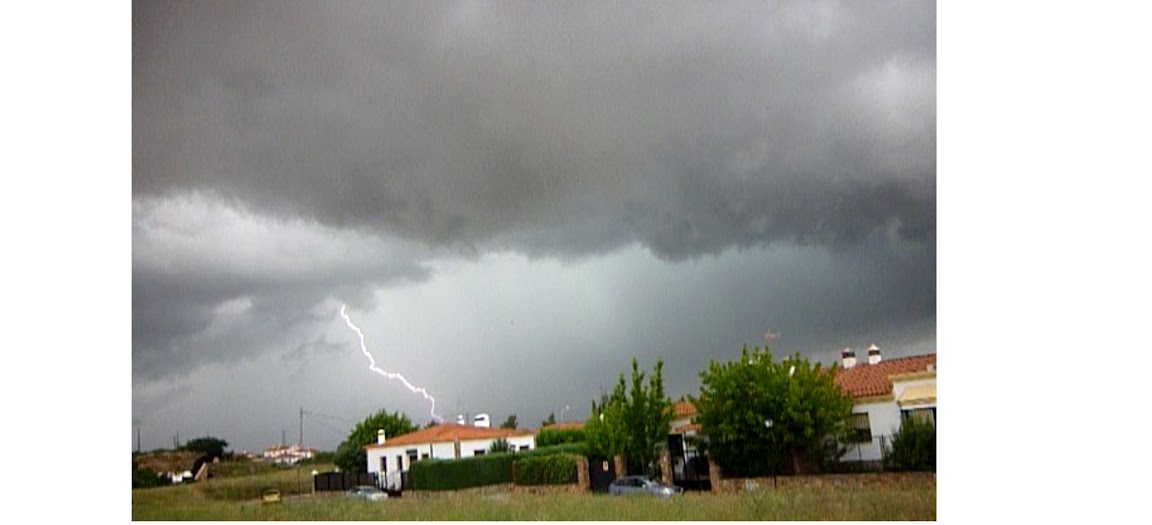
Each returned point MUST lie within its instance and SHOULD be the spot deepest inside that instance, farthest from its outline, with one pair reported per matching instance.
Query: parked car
(270, 495)
(642, 485)
(367, 492)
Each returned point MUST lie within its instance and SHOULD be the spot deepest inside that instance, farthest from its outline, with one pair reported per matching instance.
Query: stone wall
(881, 479)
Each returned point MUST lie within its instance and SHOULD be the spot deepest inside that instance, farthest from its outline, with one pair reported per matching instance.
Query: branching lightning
(390, 375)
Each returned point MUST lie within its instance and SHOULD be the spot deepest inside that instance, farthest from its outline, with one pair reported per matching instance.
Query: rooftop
(865, 380)
(449, 432)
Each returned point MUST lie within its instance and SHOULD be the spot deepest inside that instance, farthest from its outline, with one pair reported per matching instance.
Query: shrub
(549, 469)
(548, 437)
(144, 479)
(455, 474)
(913, 447)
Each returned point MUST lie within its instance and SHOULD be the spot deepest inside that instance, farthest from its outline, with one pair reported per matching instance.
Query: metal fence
(341, 481)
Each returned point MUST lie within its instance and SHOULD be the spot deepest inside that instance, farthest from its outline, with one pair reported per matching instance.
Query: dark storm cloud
(213, 282)
(288, 156)
(549, 128)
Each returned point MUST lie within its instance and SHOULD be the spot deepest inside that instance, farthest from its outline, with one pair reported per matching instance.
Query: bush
(548, 437)
(455, 474)
(579, 449)
(913, 447)
(549, 469)
(145, 479)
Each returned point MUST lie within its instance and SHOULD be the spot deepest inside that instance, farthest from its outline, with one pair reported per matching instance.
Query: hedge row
(551, 469)
(549, 436)
(491, 469)
(455, 474)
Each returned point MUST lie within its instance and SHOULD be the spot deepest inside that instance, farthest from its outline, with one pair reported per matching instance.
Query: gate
(601, 473)
(340, 481)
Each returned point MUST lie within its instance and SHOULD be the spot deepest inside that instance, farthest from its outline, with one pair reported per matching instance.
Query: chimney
(873, 354)
(459, 419)
(848, 358)
(380, 437)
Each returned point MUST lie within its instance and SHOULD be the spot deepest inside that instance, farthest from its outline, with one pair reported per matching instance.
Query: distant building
(287, 455)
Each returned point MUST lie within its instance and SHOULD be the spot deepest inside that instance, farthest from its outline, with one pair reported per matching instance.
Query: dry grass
(227, 500)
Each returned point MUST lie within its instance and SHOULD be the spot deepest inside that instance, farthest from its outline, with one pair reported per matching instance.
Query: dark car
(642, 485)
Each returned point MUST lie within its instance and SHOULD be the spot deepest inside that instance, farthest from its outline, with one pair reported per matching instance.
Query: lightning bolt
(390, 375)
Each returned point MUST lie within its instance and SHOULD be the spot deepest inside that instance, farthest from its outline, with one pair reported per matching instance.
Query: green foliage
(550, 421)
(499, 445)
(145, 479)
(510, 423)
(801, 400)
(455, 474)
(350, 455)
(551, 436)
(206, 446)
(580, 449)
(631, 423)
(549, 469)
(913, 447)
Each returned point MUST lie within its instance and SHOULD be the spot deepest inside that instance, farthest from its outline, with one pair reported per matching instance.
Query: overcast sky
(514, 200)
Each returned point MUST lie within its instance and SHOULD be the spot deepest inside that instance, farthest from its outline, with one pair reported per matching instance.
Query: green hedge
(455, 474)
(548, 437)
(492, 469)
(549, 469)
(578, 449)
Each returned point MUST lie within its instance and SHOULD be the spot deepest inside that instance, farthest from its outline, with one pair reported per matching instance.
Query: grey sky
(514, 199)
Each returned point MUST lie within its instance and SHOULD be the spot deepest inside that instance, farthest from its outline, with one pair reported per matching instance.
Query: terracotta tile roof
(695, 427)
(449, 432)
(565, 425)
(683, 409)
(865, 380)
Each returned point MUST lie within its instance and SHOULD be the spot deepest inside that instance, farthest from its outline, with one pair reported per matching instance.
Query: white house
(885, 392)
(390, 457)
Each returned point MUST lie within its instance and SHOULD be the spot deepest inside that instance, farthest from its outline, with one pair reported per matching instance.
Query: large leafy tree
(761, 416)
(351, 456)
(510, 423)
(631, 423)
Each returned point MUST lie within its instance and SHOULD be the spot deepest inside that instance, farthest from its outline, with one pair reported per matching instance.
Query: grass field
(228, 499)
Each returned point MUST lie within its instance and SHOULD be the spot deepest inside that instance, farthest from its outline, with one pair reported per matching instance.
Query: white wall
(884, 418)
(445, 450)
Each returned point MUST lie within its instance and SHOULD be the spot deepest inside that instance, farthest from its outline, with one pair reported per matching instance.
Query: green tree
(631, 423)
(510, 422)
(762, 416)
(913, 446)
(550, 421)
(350, 455)
(500, 445)
(206, 445)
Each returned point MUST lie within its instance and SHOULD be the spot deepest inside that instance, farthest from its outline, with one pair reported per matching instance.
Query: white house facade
(389, 458)
(885, 393)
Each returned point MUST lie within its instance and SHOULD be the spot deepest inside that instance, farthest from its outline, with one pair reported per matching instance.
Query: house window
(859, 428)
(411, 453)
(423, 456)
(923, 415)
(479, 452)
(523, 447)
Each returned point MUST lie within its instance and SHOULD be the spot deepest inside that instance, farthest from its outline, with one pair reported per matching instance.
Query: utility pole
(301, 442)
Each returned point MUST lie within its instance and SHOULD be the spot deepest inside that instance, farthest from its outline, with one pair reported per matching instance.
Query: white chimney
(482, 421)
(848, 358)
(459, 419)
(873, 354)
(380, 437)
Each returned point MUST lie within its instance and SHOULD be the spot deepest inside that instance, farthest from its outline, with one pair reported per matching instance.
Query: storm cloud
(774, 161)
